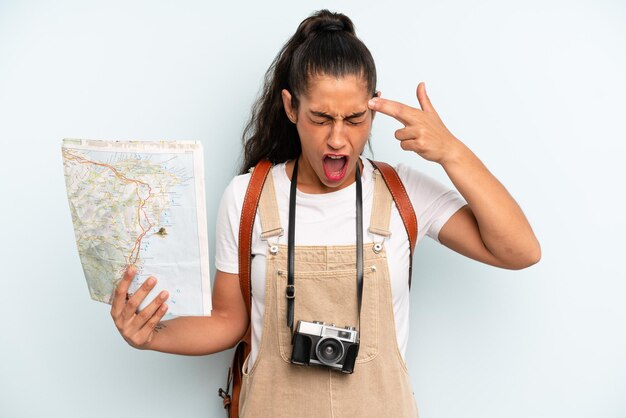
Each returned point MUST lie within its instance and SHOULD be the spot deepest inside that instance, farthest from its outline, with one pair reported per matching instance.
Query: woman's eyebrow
(356, 114)
(320, 114)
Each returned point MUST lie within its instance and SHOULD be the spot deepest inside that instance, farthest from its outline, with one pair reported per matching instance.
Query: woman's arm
(492, 228)
(191, 335)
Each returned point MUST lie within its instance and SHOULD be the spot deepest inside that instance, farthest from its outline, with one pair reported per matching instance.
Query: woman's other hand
(137, 327)
(424, 132)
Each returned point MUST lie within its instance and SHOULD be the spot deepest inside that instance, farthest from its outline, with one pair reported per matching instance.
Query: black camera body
(318, 344)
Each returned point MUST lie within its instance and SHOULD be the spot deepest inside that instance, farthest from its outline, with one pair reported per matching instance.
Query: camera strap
(290, 292)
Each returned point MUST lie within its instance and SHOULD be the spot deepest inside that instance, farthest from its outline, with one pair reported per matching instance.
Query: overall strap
(268, 211)
(403, 203)
(381, 207)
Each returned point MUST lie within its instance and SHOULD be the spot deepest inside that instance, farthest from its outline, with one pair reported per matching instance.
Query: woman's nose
(337, 138)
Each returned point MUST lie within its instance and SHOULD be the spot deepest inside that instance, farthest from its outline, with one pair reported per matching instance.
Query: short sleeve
(227, 225)
(433, 202)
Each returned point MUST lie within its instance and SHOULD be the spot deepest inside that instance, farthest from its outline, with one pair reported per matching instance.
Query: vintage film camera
(316, 343)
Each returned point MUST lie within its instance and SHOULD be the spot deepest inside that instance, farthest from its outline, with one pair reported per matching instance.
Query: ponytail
(324, 44)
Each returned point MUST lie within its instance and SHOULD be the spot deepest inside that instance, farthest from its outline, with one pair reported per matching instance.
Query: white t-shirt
(329, 219)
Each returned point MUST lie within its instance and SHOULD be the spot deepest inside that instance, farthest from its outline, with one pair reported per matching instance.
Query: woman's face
(334, 123)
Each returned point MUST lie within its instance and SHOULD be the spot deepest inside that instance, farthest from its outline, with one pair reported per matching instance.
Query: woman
(313, 121)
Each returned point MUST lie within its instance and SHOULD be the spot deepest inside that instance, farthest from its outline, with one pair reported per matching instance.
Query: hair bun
(325, 21)
(331, 26)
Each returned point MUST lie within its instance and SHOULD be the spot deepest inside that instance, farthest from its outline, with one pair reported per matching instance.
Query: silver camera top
(321, 329)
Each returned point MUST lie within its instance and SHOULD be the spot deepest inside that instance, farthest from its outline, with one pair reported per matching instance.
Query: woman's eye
(327, 121)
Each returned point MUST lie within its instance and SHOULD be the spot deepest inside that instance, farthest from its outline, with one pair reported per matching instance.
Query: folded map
(141, 203)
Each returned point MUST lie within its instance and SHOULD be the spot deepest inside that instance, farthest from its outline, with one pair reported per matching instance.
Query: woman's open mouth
(335, 166)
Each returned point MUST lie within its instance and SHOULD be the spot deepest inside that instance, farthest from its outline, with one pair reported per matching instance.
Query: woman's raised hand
(137, 328)
(424, 131)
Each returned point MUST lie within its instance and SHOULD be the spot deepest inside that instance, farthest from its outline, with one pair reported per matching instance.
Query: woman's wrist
(458, 154)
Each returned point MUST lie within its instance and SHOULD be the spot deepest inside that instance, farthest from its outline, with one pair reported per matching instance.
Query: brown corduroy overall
(325, 282)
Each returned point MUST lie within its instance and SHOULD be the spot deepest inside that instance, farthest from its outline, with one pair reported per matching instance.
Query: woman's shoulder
(236, 189)
(409, 176)
(417, 180)
(423, 188)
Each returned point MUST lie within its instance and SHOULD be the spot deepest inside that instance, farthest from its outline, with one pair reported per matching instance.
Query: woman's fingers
(121, 292)
(148, 317)
(405, 114)
(399, 111)
(132, 304)
(146, 313)
(137, 327)
(424, 132)
(404, 134)
(423, 99)
(145, 333)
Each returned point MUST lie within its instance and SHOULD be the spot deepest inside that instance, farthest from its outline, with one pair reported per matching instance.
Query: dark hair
(324, 44)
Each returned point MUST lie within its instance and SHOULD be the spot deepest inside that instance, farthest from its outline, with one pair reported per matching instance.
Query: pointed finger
(396, 110)
(423, 99)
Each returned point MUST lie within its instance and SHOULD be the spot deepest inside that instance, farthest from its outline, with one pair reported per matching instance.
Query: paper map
(141, 203)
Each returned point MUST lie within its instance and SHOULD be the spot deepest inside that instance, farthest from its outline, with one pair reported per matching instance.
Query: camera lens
(329, 351)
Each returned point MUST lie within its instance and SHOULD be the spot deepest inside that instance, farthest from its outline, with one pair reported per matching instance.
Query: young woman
(313, 121)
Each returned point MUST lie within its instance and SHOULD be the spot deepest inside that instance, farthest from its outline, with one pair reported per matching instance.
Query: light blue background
(535, 88)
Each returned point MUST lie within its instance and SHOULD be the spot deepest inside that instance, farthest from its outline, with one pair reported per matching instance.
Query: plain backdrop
(535, 88)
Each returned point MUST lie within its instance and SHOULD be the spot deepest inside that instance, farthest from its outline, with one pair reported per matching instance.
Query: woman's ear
(289, 110)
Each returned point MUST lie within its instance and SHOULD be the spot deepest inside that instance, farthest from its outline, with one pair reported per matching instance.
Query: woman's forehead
(354, 81)
(347, 91)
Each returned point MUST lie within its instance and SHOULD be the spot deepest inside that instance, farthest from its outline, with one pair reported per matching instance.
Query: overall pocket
(330, 297)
